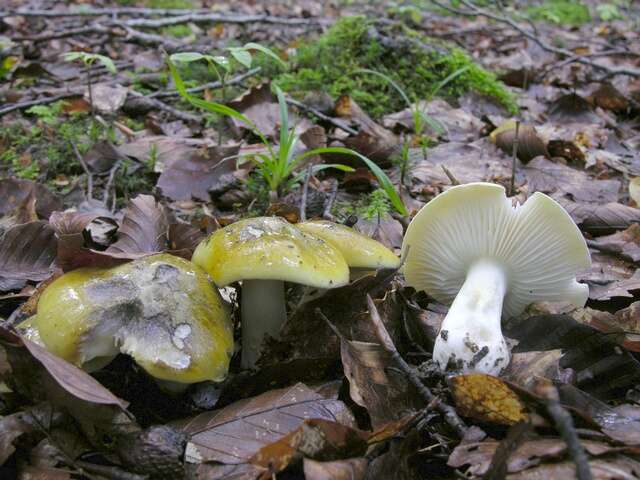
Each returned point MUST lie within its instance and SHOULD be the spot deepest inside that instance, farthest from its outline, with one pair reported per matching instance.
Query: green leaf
(222, 61)
(71, 56)
(107, 62)
(266, 51)
(389, 80)
(383, 179)
(186, 57)
(241, 55)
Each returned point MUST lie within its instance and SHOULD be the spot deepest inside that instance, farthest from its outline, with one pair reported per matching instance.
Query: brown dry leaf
(350, 469)
(256, 422)
(560, 180)
(183, 236)
(610, 468)
(13, 427)
(625, 243)
(625, 322)
(316, 439)
(74, 380)
(69, 223)
(567, 150)
(27, 252)
(523, 367)
(107, 99)
(144, 229)
(609, 97)
(529, 454)
(601, 218)
(261, 107)
(43, 473)
(572, 108)
(194, 175)
(399, 462)
(165, 150)
(14, 191)
(384, 392)
(486, 399)
(102, 156)
(25, 212)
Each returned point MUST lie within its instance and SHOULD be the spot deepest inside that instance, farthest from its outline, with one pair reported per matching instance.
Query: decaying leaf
(144, 228)
(194, 175)
(256, 422)
(14, 191)
(27, 252)
(625, 243)
(486, 399)
(350, 469)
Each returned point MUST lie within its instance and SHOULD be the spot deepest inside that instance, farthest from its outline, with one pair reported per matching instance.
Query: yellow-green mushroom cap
(162, 310)
(358, 250)
(270, 248)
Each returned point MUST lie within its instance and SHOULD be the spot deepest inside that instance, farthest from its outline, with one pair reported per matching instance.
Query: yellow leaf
(486, 399)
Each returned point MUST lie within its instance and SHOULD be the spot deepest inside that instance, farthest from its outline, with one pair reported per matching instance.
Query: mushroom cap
(162, 310)
(270, 248)
(537, 243)
(358, 250)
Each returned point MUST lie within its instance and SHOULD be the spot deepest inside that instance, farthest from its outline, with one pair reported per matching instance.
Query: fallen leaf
(384, 392)
(13, 193)
(261, 107)
(254, 423)
(102, 156)
(350, 469)
(486, 399)
(107, 99)
(317, 439)
(609, 97)
(144, 229)
(601, 218)
(27, 252)
(634, 190)
(572, 108)
(164, 150)
(530, 145)
(183, 236)
(194, 175)
(625, 243)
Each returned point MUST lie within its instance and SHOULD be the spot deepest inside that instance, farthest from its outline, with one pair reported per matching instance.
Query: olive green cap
(358, 250)
(270, 248)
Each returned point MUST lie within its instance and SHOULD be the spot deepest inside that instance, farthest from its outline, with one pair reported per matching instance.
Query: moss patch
(416, 63)
(561, 12)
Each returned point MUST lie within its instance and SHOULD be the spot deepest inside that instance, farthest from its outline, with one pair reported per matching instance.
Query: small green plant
(48, 114)
(610, 11)
(561, 12)
(89, 59)
(277, 166)
(376, 205)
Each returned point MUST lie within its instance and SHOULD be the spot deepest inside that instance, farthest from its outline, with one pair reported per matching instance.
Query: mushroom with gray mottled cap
(472, 248)
(263, 253)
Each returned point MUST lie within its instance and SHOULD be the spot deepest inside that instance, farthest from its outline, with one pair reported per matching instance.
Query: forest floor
(130, 128)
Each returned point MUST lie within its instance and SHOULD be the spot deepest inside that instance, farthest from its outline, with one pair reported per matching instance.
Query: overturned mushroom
(265, 252)
(162, 310)
(470, 247)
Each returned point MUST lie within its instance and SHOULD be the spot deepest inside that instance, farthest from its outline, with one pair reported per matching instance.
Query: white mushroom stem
(470, 338)
(263, 313)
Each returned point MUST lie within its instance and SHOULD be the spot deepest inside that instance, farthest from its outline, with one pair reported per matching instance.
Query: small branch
(38, 101)
(516, 435)
(153, 103)
(514, 159)
(448, 412)
(328, 206)
(110, 180)
(450, 175)
(85, 167)
(305, 190)
(473, 11)
(564, 425)
(334, 121)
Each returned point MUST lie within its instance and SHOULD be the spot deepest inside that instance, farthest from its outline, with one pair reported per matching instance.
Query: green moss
(561, 12)
(167, 4)
(331, 62)
(177, 31)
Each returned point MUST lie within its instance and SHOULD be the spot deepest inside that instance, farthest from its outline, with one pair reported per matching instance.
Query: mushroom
(162, 310)
(263, 253)
(471, 248)
(359, 251)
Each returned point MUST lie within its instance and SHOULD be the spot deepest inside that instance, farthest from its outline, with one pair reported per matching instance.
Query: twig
(154, 103)
(38, 101)
(110, 180)
(450, 175)
(85, 167)
(198, 17)
(328, 206)
(305, 191)
(448, 412)
(514, 159)
(334, 121)
(474, 10)
(509, 444)
(211, 85)
(564, 425)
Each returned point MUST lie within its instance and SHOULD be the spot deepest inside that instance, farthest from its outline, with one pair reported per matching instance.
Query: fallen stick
(447, 411)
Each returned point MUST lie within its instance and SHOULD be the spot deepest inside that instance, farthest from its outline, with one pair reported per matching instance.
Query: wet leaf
(195, 175)
(13, 193)
(27, 252)
(486, 399)
(254, 423)
(144, 229)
